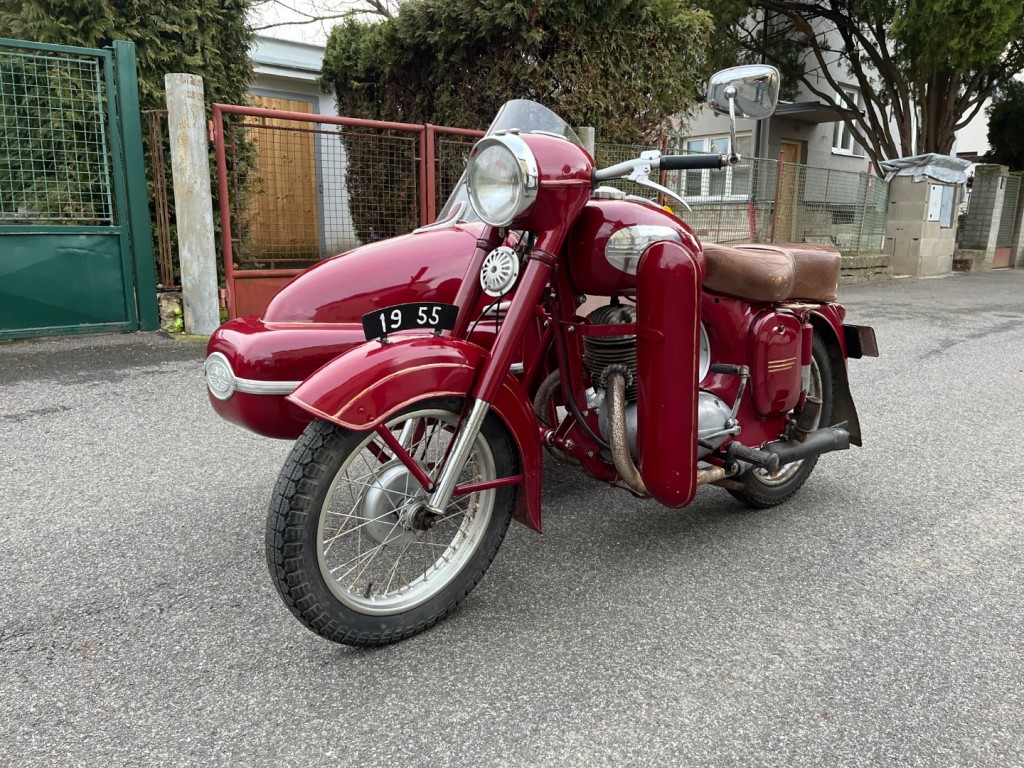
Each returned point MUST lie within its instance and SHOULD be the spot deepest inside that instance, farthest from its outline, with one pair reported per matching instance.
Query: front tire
(763, 490)
(343, 557)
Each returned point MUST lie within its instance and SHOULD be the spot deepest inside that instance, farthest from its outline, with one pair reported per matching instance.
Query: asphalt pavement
(876, 619)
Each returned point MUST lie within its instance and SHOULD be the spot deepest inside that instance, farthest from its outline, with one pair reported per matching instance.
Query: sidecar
(253, 363)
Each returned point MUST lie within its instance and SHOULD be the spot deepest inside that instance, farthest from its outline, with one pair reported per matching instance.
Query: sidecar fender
(365, 386)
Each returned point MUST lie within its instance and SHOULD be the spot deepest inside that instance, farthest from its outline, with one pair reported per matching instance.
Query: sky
(293, 18)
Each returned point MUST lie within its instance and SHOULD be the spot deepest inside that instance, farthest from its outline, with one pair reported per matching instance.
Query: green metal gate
(76, 254)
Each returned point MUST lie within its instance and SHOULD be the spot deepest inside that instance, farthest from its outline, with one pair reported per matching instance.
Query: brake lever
(641, 174)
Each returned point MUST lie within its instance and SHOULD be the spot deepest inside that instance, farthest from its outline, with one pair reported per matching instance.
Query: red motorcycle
(426, 375)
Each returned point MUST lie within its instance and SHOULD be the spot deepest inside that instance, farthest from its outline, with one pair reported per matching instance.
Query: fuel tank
(608, 238)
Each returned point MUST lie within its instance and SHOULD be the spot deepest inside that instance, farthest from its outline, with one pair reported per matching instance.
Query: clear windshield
(518, 114)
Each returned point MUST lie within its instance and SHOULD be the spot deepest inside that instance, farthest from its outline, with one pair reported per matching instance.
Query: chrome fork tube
(495, 369)
(457, 459)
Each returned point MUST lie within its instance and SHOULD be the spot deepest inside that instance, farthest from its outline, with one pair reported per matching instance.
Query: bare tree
(922, 69)
(274, 14)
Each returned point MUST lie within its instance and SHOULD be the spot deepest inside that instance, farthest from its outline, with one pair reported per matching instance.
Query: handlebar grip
(692, 162)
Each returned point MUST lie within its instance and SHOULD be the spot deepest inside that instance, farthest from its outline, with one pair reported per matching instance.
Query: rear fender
(365, 386)
(828, 325)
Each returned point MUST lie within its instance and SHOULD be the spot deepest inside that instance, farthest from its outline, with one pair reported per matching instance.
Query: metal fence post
(190, 164)
(778, 196)
(136, 195)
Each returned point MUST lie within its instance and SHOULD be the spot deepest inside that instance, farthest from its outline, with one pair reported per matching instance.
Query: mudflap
(829, 326)
(365, 386)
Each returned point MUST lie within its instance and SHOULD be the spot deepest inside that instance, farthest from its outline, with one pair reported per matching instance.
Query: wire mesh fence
(451, 152)
(768, 200)
(161, 198)
(305, 190)
(55, 166)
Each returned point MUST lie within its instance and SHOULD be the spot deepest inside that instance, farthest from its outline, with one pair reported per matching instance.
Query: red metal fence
(296, 188)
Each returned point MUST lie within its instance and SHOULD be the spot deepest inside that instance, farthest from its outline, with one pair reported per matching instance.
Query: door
(283, 222)
(786, 191)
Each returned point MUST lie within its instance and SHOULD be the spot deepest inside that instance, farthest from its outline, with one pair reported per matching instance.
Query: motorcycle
(425, 376)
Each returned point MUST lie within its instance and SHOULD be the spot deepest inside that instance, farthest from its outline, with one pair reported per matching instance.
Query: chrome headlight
(220, 379)
(502, 177)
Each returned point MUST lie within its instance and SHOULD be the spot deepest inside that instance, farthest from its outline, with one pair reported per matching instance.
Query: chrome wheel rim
(786, 472)
(369, 557)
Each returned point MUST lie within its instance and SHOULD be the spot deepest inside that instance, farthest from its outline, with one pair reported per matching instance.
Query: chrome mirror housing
(750, 91)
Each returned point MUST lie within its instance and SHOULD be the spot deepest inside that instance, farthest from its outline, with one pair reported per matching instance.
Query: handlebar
(663, 163)
(693, 162)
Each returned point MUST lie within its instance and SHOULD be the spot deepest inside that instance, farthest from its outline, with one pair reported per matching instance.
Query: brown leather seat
(762, 272)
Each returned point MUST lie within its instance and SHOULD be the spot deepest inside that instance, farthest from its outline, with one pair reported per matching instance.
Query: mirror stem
(730, 93)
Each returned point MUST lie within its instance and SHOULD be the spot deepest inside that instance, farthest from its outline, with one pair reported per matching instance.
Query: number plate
(409, 317)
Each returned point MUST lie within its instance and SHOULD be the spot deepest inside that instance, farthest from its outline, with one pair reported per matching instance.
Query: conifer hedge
(622, 66)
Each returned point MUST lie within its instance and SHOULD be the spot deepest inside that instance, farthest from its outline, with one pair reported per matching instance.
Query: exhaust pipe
(814, 444)
(615, 399)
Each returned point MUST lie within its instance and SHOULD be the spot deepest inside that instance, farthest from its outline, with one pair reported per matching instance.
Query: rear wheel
(763, 489)
(350, 555)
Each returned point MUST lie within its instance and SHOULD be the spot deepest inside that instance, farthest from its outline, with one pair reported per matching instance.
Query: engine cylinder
(602, 351)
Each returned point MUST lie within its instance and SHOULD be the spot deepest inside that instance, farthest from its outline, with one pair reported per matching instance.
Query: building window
(731, 182)
(843, 142)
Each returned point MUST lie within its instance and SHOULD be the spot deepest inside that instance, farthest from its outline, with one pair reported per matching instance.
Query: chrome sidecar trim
(256, 387)
(223, 383)
(454, 217)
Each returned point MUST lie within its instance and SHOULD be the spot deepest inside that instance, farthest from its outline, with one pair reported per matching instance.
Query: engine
(713, 415)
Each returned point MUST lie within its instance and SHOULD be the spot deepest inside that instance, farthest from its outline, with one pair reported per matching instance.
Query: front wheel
(763, 489)
(348, 558)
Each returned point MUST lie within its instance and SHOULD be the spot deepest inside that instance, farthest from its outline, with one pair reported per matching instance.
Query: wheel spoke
(376, 551)
(384, 568)
(367, 521)
(394, 568)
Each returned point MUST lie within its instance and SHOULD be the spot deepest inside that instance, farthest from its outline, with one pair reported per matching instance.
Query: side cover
(367, 385)
(668, 335)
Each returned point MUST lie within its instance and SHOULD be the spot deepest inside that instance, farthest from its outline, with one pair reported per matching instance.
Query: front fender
(365, 386)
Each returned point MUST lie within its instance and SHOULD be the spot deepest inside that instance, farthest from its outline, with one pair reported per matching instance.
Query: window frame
(679, 184)
(849, 97)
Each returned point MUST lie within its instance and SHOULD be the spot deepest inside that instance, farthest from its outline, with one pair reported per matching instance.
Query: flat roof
(811, 111)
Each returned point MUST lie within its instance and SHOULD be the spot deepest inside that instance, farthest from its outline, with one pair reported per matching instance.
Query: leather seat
(761, 272)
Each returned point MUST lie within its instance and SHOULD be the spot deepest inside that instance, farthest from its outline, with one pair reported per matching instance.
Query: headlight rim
(529, 175)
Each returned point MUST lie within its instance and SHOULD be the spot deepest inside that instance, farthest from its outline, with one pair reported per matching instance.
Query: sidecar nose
(220, 379)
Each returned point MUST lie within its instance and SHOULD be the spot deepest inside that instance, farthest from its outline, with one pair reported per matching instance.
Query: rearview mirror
(752, 88)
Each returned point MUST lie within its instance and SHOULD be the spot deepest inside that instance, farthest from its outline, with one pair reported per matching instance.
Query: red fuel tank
(608, 238)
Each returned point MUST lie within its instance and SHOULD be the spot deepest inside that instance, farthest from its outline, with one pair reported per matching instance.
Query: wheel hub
(385, 506)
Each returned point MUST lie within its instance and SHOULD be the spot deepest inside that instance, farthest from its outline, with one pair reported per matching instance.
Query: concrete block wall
(981, 226)
(914, 245)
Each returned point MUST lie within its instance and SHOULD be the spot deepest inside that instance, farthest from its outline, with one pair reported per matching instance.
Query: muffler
(774, 455)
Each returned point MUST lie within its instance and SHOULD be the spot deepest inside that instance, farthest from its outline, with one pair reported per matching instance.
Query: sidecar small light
(502, 178)
(220, 379)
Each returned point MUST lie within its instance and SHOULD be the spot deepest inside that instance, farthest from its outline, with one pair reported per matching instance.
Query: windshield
(518, 114)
